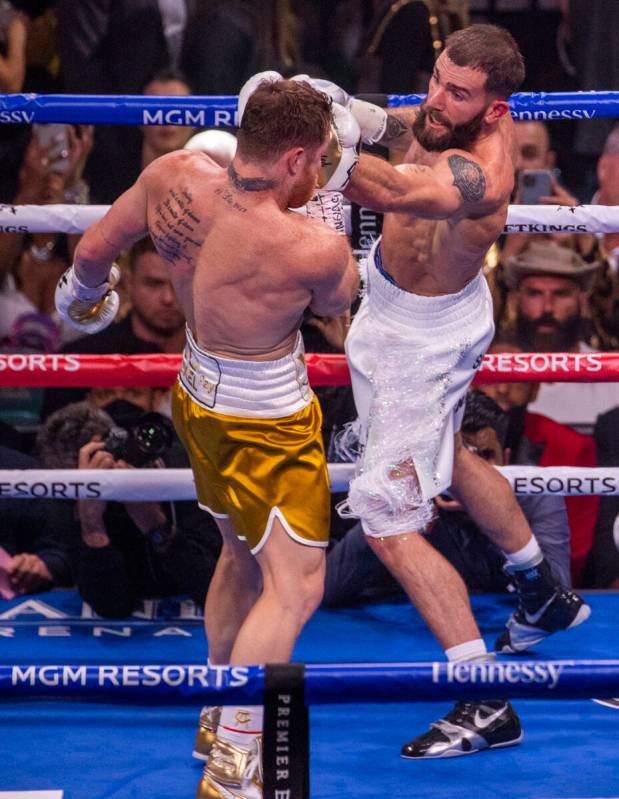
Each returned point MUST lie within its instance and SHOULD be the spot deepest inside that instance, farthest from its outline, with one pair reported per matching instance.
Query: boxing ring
(98, 709)
(113, 741)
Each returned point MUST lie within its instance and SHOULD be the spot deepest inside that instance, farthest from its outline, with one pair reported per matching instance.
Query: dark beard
(457, 136)
(563, 337)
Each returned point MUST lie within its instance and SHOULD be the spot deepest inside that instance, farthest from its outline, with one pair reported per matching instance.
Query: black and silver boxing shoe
(470, 727)
(544, 608)
(614, 703)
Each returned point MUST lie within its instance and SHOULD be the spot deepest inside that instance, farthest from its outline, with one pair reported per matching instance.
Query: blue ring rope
(207, 111)
(324, 684)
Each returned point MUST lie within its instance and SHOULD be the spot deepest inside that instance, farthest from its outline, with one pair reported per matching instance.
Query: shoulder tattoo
(395, 128)
(468, 178)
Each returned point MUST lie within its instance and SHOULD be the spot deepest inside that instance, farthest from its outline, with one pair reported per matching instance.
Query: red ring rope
(38, 370)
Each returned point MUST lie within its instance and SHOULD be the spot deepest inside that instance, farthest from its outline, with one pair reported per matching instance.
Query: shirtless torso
(243, 267)
(432, 256)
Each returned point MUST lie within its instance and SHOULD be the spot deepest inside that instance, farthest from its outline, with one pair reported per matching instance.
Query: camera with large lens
(149, 438)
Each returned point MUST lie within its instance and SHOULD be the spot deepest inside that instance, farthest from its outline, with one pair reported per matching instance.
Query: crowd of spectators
(552, 292)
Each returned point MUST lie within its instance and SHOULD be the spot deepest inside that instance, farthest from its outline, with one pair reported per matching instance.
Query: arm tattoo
(468, 178)
(249, 184)
(395, 128)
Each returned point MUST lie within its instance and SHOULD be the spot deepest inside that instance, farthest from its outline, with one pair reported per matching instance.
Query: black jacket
(38, 526)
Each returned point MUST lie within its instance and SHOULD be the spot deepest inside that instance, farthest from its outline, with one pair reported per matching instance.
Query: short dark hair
(168, 75)
(66, 431)
(492, 50)
(482, 411)
(280, 115)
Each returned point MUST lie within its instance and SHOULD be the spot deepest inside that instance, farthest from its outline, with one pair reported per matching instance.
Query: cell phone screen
(533, 184)
(55, 137)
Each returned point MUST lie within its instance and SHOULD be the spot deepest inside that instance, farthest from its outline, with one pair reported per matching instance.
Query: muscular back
(244, 269)
(440, 256)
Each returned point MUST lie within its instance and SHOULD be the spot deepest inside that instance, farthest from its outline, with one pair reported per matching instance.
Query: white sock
(530, 555)
(469, 650)
(240, 725)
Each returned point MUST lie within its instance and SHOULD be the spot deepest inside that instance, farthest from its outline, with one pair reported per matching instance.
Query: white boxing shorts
(412, 359)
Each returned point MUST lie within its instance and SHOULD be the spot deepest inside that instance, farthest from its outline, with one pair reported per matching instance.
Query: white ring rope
(62, 218)
(177, 484)
(562, 219)
(520, 218)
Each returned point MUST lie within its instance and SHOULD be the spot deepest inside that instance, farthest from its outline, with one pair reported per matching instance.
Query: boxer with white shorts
(420, 334)
(412, 359)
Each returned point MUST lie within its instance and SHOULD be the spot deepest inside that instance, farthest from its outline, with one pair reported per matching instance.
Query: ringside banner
(323, 683)
(324, 369)
(178, 484)
(362, 224)
(210, 110)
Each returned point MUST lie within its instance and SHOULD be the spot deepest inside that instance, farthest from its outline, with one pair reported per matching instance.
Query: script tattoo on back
(175, 229)
(468, 178)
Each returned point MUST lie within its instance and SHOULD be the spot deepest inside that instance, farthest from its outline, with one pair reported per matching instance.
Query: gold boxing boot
(232, 772)
(207, 730)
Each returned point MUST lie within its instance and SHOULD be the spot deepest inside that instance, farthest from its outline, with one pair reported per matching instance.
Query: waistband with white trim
(265, 389)
(431, 312)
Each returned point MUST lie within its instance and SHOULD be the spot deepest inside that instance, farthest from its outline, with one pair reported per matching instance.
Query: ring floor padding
(94, 751)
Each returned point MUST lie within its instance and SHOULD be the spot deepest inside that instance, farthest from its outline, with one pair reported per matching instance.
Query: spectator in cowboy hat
(549, 291)
(534, 152)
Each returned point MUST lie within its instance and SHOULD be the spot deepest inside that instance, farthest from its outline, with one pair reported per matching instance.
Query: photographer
(129, 551)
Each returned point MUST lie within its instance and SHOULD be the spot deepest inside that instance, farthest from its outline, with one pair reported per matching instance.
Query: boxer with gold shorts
(252, 432)
(245, 268)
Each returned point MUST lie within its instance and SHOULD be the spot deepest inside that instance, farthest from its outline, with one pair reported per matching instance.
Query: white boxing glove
(372, 118)
(85, 308)
(335, 92)
(219, 144)
(342, 153)
(250, 86)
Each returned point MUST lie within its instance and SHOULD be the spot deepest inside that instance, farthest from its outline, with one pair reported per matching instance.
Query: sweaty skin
(443, 210)
(244, 267)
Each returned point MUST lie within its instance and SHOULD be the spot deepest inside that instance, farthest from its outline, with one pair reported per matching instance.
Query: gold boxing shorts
(249, 468)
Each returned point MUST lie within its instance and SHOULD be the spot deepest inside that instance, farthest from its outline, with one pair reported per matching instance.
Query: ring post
(286, 732)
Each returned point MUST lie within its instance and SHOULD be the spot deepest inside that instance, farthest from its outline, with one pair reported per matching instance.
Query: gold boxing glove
(88, 309)
(342, 153)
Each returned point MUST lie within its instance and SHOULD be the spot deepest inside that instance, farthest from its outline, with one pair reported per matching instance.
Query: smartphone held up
(54, 138)
(533, 184)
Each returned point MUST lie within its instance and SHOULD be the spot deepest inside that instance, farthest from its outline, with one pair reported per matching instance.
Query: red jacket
(564, 446)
